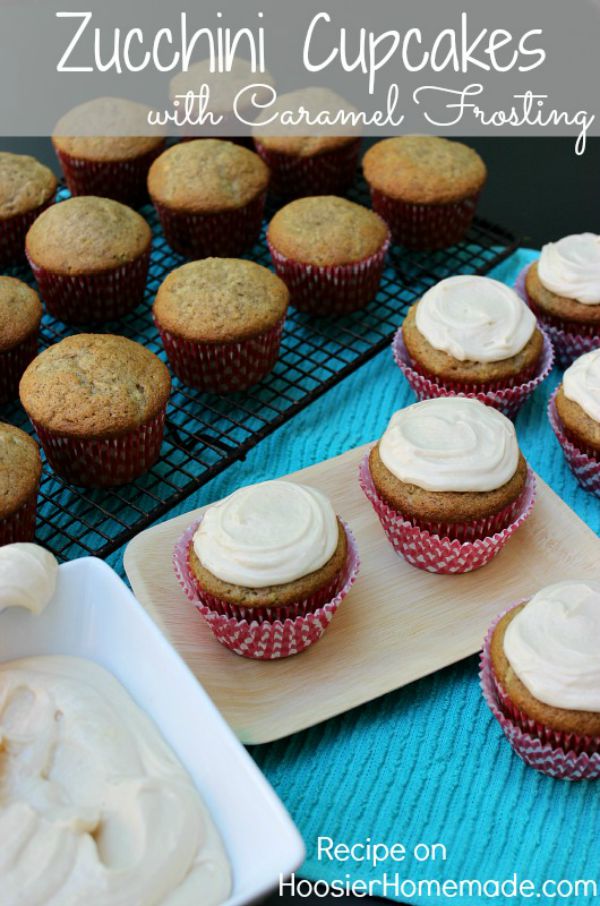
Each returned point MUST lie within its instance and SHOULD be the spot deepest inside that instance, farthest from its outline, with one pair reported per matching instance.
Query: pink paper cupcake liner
(13, 231)
(333, 290)
(543, 752)
(220, 234)
(425, 226)
(292, 176)
(585, 465)
(569, 343)
(429, 547)
(223, 367)
(13, 363)
(104, 463)
(124, 180)
(295, 628)
(91, 298)
(20, 525)
(507, 397)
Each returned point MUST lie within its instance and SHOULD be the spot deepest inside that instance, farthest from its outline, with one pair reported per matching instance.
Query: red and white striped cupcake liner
(563, 756)
(13, 231)
(123, 180)
(508, 396)
(330, 173)
(217, 234)
(585, 465)
(425, 227)
(223, 367)
(92, 298)
(13, 363)
(448, 549)
(20, 525)
(568, 343)
(331, 290)
(278, 632)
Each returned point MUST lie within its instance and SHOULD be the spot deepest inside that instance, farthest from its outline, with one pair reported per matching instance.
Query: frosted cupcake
(574, 412)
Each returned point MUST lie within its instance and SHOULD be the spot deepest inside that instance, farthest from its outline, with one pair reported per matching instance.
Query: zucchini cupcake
(220, 320)
(541, 677)
(210, 197)
(330, 252)
(90, 258)
(27, 188)
(425, 187)
(20, 316)
(20, 473)
(99, 152)
(98, 404)
(448, 483)
(574, 413)
(268, 567)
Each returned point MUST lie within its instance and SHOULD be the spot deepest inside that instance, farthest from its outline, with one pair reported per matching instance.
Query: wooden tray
(397, 624)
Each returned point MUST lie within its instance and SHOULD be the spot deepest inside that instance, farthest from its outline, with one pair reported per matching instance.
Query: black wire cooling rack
(206, 433)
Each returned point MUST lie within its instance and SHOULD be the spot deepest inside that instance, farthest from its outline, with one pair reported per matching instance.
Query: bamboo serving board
(397, 624)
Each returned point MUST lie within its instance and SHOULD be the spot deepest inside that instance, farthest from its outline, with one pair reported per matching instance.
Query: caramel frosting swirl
(571, 267)
(581, 383)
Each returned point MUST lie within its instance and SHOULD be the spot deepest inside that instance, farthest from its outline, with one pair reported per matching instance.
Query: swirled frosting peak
(475, 318)
(552, 645)
(267, 534)
(571, 267)
(27, 576)
(581, 383)
(450, 444)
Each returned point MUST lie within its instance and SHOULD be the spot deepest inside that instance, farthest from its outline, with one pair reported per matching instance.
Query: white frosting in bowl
(475, 319)
(581, 383)
(267, 534)
(27, 576)
(450, 444)
(571, 267)
(553, 645)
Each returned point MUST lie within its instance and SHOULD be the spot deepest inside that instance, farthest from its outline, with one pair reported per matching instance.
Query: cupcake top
(20, 468)
(571, 268)
(103, 130)
(326, 230)
(219, 300)
(20, 312)
(424, 169)
(450, 444)
(267, 534)
(552, 645)
(475, 318)
(87, 235)
(25, 184)
(207, 175)
(224, 86)
(581, 383)
(94, 385)
(314, 100)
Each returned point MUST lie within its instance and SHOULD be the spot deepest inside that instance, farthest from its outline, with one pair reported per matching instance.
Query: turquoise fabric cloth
(427, 763)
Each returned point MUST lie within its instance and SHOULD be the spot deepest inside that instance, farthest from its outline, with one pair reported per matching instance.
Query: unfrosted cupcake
(27, 187)
(20, 316)
(268, 567)
(101, 154)
(20, 472)
(90, 258)
(97, 403)
(330, 252)
(210, 196)
(425, 187)
(574, 412)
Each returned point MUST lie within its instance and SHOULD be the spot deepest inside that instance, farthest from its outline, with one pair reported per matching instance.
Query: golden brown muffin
(424, 169)
(445, 367)
(581, 427)
(20, 469)
(220, 300)
(443, 506)
(585, 723)
(314, 100)
(207, 175)
(273, 595)
(100, 131)
(25, 184)
(94, 386)
(555, 307)
(326, 230)
(20, 312)
(87, 235)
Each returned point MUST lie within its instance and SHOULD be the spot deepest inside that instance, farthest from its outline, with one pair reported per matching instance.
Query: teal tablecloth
(427, 764)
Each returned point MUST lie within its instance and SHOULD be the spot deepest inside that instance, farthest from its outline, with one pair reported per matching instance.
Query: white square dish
(94, 615)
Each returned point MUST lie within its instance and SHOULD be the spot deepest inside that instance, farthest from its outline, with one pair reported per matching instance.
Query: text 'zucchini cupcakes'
(267, 568)
(20, 316)
(27, 188)
(20, 473)
(473, 335)
(448, 483)
(540, 674)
